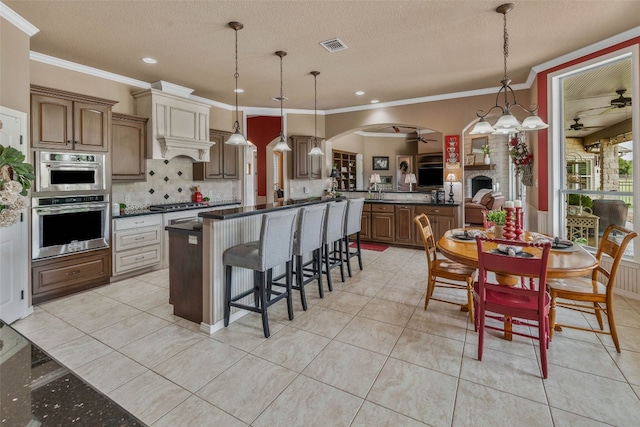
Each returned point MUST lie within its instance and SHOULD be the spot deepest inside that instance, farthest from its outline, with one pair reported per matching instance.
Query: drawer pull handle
(139, 257)
(139, 222)
(139, 238)
(73, 272)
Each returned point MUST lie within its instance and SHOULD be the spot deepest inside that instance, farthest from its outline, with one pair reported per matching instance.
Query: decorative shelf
(490, 167)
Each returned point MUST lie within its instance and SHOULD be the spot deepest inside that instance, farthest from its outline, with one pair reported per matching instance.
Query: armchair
(473, 210)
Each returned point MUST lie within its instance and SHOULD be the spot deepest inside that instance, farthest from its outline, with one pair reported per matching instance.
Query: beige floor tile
(39, 319)
(149, 396)
(361, 286)
(571, 318)
(601, 399)
(164, 311)
(477, 405)
(196, 412)
(188, 324)
(346, 367)
(77, 352)
(94, 317)
(245, 333)
(517, 375)
(129, 330)
(402, 295)
(387, 311)
(55, 335)
(75, 302)
(518, 346)
(430, 351)
(322, 321)
(370, 334)
(279, 312)
(292, 348)
(567, 419)
(371, 414)
(411, 279)
(205, 360)
(161, 345)
(247, 388)
(376, 273)
(316, 404)
(629, 339)
(151, 299)
(110, 371)
(628, 362)
(440, 323)
(127, 289)
(416, 392)
(344, 301)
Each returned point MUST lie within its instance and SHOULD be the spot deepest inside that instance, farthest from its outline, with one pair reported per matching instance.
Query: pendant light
(507, 123)
(315, 151)
(282, 144)
(236, 138)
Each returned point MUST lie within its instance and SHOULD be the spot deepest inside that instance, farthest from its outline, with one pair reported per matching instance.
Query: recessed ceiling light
(374, 101)
(149, 60)
(359, 93)
(238, 90)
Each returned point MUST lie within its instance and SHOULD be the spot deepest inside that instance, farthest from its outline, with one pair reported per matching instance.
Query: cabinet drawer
(367, 207)
(131, 239)
(70, 272)
(435, 210)
(137, 222)
(382, 208)
(136, 258)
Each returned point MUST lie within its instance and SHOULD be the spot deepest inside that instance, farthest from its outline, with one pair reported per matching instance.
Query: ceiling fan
(579, 126)
(621, 101)
(419, 138)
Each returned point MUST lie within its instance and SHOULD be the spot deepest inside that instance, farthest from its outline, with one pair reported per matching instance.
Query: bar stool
(308, 239)
(274, 248)
(332, 239)
(352, 225)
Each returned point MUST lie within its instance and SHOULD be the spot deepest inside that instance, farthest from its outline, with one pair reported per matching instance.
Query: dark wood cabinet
(404, 226)
(345, 163)
(223, 159)
(304, 165)
(68, 121)
(383, 223)
(185, 274)
(365, 222)
(441, 217)
(128, 149)
(56, 277)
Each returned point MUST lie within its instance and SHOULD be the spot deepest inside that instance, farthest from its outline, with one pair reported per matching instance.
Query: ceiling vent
(333, 45)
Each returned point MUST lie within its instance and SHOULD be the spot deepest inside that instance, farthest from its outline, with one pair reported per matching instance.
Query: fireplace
(479, 182)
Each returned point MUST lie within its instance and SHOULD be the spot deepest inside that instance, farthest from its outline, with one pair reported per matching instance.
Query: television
(432, 176)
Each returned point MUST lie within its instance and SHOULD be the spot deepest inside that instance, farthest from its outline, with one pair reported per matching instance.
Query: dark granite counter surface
(192, 227)
(244, 211)
(147, 211)
(35, 390)
(409, 202)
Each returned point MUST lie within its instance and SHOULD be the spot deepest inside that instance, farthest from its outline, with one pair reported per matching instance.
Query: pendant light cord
(236, 125)
(315, 110)
(281, 99)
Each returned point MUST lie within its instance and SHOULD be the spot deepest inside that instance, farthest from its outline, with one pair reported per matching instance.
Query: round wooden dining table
(562, 263)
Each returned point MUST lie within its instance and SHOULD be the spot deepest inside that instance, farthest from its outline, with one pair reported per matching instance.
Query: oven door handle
(55, 210)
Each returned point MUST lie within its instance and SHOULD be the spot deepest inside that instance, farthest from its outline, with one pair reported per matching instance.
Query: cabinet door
(230, 162)
(214, 168)
(128, 150)
(91, 127)
(301, 147)
(51, 123)
(404, 224)
(365, 226)
(443, 223)
(382, 227)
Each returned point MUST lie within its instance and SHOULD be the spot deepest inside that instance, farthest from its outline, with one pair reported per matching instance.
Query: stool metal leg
(300, 279)
(359, 251)
(347, 255)
(289, 292)
(317, 257)
(256, 289)
(227, 294)
(327, 268)
(263, 303)
(339, 242)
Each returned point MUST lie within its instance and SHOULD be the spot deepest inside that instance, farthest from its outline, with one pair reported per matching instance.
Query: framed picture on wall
(470, 160)
(380, 163)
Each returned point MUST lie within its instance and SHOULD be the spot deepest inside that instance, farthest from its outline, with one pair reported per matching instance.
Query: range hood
(177, 126)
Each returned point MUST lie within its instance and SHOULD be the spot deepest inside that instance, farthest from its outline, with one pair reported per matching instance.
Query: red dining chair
(526, 304)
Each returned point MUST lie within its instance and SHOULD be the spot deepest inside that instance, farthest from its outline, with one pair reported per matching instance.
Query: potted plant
(486, 149)
(498, 219)
(15, 181)
(123, 207)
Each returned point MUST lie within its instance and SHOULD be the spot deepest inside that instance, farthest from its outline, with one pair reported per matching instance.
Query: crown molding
(18, 21)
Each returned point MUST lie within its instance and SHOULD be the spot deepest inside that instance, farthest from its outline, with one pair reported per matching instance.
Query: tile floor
(365, 355)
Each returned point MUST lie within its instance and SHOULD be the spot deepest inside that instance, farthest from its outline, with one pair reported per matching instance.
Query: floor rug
(370, 247)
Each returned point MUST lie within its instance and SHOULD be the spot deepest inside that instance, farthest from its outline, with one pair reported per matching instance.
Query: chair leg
(359, 250)
(227, 294)
(543, 344)
(470, 298)
(339, 242)
(263, 303)
(596, 307)
(288, 287)
(552, 316)
(480, 324)
(317, 257)
(430, 285)
(300, 279)
(326, 265)
(348, 255)
(612, 325)
(256, 289)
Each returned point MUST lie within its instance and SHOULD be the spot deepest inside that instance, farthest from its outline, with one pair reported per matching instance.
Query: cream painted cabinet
(137, 243)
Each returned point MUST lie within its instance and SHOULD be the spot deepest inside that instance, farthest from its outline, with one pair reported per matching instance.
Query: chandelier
(282, 144)
(507, 123)
(236, 138)
(315, 151)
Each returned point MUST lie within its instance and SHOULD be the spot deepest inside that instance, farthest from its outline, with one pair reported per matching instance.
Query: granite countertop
(191, 227)
(409, 202)
(147, 211)
(36, 390)
(244, 211)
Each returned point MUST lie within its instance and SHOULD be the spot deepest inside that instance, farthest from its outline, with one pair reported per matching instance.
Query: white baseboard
(210, 329)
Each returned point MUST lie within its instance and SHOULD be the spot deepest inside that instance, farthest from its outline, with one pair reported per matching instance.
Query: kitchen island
(222, 229)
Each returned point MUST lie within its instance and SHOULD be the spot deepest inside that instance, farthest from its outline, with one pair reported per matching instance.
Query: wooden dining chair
(525, 304)
(592, 295)
(444, 273)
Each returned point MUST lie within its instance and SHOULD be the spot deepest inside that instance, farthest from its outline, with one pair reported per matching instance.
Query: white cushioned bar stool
(352, 225)
(274, 248)
(332, 239)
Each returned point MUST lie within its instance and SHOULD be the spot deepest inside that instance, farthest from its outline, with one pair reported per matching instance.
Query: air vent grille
(333, 45)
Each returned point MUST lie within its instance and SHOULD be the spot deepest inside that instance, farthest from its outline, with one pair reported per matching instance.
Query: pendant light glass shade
(315, 151)
(507, 122)
(282, 144)
(482, 128)
(533, 122)
(237, 138)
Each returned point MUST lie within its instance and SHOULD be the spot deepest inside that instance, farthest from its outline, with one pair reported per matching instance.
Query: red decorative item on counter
(509, 225)
(519, 223)
(197, 195)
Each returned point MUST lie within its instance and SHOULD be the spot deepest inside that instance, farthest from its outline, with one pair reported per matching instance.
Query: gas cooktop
(177, 206)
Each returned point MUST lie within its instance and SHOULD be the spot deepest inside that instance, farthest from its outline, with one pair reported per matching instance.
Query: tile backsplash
(171, 181)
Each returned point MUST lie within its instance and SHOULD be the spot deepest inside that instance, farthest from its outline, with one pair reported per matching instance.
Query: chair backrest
(334, 221)
(614, 242)
(428, 240)
(276, 238)
(309, 229)
(354, 216)
(610, 212)
(532, 267)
